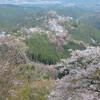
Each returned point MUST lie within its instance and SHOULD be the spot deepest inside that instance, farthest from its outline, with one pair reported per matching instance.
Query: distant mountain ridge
(93, 5)
(71, 1)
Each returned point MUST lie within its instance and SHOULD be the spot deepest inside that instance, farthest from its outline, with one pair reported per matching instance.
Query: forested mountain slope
(82, 32)
(92, 19)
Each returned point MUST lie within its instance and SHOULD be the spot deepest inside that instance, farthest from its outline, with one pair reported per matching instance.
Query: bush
(38, 91)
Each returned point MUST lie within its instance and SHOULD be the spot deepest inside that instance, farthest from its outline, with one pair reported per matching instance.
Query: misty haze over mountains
(85, 4)
(51, 1)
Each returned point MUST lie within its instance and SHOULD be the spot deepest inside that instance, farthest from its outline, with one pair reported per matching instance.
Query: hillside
(80, 76)
(77, 76)
(92, 19)
(25, 15)
(74, 12)
(19, 16)
(8, 26)
(49, 52)
(82, 32)
(42, 50)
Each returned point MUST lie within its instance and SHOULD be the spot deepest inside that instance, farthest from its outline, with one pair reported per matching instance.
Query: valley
(49, 53)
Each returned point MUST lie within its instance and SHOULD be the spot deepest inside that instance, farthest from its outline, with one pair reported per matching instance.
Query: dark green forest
(40, 49)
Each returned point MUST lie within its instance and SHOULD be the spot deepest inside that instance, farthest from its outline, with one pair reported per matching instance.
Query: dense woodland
(40, 49)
